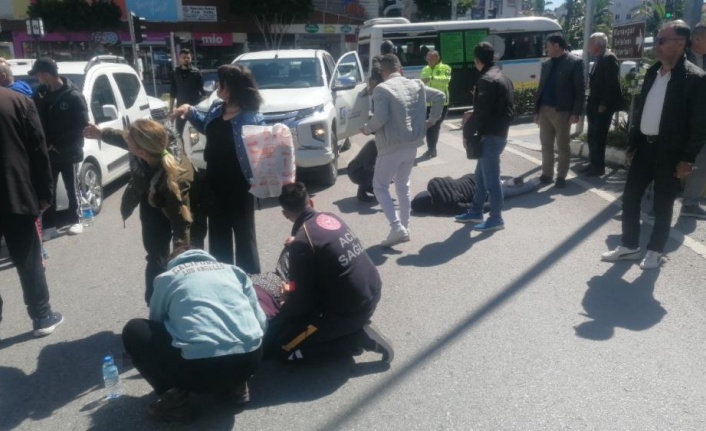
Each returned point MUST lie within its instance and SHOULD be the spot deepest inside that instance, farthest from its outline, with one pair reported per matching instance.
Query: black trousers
(157, 240)
(649, 164)
(234, 215)
(433, 131)
(68, 174)
(598, 126)
(315, 338)
(161, 364)
(25, 248)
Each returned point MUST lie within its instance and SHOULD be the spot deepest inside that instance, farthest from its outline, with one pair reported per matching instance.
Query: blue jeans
(488, 177)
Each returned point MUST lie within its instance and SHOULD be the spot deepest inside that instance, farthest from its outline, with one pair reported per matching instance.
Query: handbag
(474, 147)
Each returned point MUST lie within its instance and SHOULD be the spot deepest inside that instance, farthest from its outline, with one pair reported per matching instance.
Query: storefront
(68, 46)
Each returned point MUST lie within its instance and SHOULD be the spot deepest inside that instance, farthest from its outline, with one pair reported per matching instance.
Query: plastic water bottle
(111, 379)
(86, 211)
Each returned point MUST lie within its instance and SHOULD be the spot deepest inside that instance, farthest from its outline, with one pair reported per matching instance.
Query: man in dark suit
(26, 189)
(558, 105)
(603, 100)
(667, 132)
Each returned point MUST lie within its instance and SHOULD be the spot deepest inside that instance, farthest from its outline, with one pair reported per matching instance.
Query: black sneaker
(543, 179)
(430, 154)
(46, 325)
(172, 406)
(363, 196)
(586, 169)
(560, 183)
(595, 173)
(693, 211)
(374, 341)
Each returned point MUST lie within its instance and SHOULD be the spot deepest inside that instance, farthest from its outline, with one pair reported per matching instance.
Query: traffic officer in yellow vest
(436, 75)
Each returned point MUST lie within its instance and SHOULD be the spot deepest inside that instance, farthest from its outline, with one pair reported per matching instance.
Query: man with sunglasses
(667, 133)
(696, 182)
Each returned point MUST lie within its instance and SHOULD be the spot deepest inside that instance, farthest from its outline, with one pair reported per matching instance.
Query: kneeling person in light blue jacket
(204, 334)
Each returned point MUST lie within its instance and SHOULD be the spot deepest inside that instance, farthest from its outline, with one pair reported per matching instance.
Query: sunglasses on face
(663, 40)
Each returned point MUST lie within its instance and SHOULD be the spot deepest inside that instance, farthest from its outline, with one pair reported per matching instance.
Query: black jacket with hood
(64, 114)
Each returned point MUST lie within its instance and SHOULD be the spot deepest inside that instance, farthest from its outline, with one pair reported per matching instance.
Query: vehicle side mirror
(209, 87)
(110, 112)
(344, 83)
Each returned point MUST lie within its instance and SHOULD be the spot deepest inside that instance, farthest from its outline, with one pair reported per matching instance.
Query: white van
(115, 98)
(518, 42)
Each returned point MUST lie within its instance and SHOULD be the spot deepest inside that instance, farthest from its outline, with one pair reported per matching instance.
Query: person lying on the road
(204, 334)
(448, 196)
(165, 186)
(333, 289)
(361, 169)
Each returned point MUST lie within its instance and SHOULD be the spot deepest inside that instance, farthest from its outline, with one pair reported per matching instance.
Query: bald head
(6, 76)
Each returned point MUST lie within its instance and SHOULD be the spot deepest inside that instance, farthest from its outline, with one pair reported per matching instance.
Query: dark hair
(387, 47)
(699, 29)
(484, 52)
(185, 51)
(557, 38)
(294, 197)
(682, 29)
(241, 85)
(390, 63)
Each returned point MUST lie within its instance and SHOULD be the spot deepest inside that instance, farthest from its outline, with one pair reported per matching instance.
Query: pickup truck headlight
(318, 131)
(303, 113)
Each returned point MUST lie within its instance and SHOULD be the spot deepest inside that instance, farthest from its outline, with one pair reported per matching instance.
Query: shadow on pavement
(439, 253)
(353, 205)
(276, 383)
(379, 254)
(612, 302)
(66, 372)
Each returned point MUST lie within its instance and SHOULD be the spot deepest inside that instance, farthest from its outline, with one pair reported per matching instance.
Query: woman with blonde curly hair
(165, 186)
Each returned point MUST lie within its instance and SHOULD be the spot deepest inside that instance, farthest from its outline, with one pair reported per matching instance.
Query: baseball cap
(44, 64)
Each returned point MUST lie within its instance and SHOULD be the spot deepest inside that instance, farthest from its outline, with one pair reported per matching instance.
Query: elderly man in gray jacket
(399, 123)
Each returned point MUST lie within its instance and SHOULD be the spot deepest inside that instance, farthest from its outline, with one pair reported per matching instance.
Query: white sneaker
(396, 237)
(621, 253)
(48, 234)
(76, 229)
(652, 260)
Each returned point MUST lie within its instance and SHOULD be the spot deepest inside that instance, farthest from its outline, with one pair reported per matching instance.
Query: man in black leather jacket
(667, 133)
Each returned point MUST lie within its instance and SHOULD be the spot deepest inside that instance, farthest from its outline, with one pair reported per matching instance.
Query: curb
(614, 157)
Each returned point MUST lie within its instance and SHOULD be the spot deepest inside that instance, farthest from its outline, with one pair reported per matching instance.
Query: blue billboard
(156, 10)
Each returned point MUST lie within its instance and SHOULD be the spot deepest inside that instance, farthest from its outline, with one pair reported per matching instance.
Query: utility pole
(692, 12)
(587, 31)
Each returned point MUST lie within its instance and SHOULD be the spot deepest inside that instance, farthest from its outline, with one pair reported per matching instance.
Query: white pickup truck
(323, 103)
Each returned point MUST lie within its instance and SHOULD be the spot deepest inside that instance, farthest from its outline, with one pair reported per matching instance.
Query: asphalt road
(521, 329)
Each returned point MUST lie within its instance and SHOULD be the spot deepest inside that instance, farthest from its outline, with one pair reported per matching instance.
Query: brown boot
(172, 406)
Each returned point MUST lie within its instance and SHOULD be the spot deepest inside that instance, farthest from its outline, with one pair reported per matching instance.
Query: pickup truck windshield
(285, 72)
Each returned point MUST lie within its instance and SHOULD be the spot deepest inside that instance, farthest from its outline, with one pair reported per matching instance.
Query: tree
(273, 17)
(434, 10)
(655, 14)
(76, 15)
(535, 7)
(574, 22)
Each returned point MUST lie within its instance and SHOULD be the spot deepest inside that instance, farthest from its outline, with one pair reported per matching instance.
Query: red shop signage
(214, 39)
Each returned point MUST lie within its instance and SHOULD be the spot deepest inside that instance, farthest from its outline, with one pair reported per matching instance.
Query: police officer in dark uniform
(332, 292)
(186, 87)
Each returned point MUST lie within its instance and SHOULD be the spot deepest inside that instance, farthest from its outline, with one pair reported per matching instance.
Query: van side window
(364, 55)
(129, 87)
(102, 94)
(518, 45)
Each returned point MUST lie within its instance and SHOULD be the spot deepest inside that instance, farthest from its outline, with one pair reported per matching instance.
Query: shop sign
(200, 13)
(105, 37)
(214, 39)
(311, 28)
(345, 29)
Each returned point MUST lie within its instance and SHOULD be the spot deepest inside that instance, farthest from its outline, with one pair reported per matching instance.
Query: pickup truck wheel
(331, 173)
(89, 180)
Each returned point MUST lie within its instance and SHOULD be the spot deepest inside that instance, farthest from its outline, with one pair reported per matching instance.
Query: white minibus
(518, 42)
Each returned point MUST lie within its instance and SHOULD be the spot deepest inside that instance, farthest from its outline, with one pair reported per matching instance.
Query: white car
(115, 97)
(321, 101)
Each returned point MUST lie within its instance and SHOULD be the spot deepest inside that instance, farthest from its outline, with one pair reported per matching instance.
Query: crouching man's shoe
(172, 406)
(374, 341)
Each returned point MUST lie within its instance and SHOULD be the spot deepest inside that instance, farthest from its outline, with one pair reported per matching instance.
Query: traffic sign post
(628, 40)
(628, 44)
